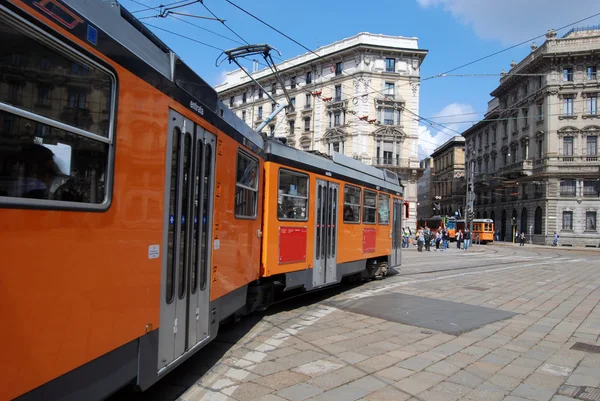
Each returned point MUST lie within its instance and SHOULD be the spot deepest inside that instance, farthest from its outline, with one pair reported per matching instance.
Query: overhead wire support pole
(265, 51)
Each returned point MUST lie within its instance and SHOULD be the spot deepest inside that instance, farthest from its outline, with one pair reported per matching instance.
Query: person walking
(445, 239)
(522, 238)
(458, 238)
(467, 239)
(438, 239)
(427, 239)
(420, 239)
(555, 243)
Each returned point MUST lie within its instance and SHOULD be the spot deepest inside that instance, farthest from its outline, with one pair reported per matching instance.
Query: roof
(457, 141)
(395, 43)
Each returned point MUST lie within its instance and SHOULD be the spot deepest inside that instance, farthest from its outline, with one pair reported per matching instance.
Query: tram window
(292, 200)
(369, 207)
(246, 186)
(383, 211)
(53, 85)
(351, 204)
(59, 166)
(55, 112)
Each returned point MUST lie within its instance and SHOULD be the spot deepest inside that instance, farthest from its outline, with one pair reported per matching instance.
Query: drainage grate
(587, 348)
(588, 394)
(476, 288)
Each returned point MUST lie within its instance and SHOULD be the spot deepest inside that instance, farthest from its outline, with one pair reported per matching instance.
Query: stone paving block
(281, 380)
(250, 391)
(299, 392)
(466, 379)
(394, 373)
(268, 368)
(545, 381)
(498, 360)
(402, 354)
(317, 368)
(486, 392)
(335, 379)
(563, 398)
(377, 363)
(533, 392)
(283, 352)
(415, 363)
(352, 357)
(346, 392)
(443, 368)
(387, 394)
(444, 391)
(504, 382)
(581, 380)
(461, 360)
(447, 349)
(270, 397)
(419, 382)
(369, 383)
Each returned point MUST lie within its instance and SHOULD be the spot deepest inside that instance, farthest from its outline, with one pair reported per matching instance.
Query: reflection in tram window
(351, 204)
(60, 166)
(292, 202)
(246, 186)
(383, 211)
(370, 207)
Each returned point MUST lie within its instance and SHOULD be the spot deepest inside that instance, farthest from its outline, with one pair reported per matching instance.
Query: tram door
(325, 264)
(186, 255)
(396, 232)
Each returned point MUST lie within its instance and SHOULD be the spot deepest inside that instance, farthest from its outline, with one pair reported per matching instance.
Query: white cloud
(511, 21)
(450, 118)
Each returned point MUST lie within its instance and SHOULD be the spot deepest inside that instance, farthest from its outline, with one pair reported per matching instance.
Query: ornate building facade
(359, 98)
(448, 189)
(535, 155)
(424, 184)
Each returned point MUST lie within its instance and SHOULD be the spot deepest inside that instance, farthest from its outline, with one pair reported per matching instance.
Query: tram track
(399, 274)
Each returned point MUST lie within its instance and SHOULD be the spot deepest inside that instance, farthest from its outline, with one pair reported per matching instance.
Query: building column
(394, 152)
(380, 150)
(342, 150)
(329, 147)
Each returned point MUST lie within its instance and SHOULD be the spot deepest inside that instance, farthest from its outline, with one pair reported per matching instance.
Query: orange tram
(138, 212)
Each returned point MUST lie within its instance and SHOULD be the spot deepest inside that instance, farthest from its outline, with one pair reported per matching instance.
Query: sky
(455, 32)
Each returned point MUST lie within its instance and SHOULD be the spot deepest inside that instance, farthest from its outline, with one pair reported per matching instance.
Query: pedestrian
(522, 238)
(420, 239)
(467, 239)
(427, 239)
(555, 243)
(458, 238)
(445, 239)
(438, 239)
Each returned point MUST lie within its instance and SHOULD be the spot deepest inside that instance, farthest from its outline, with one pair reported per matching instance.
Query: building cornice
(310, 61)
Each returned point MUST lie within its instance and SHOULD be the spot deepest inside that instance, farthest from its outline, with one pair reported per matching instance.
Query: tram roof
(123, 27)
(336, 164)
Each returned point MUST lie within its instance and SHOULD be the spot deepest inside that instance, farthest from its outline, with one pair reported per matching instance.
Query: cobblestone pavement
(314, 350)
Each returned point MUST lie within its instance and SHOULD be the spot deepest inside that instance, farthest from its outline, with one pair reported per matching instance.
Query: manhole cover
(587, 348)
(588, 394)
(476, 288)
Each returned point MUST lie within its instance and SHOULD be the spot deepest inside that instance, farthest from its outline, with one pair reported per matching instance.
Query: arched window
(493, 217)
(523, 227)
(478, 215)
(485, 215)
(537, 225)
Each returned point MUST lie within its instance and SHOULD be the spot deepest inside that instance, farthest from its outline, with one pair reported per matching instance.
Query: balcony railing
(568, 192)
(524, 167)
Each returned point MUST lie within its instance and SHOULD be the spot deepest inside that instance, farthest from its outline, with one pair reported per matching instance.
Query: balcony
(522, 168)
(290, 111)
(384, 162)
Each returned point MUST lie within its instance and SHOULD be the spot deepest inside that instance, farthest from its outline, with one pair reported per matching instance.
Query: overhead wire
(224, 24)
(432, 77)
